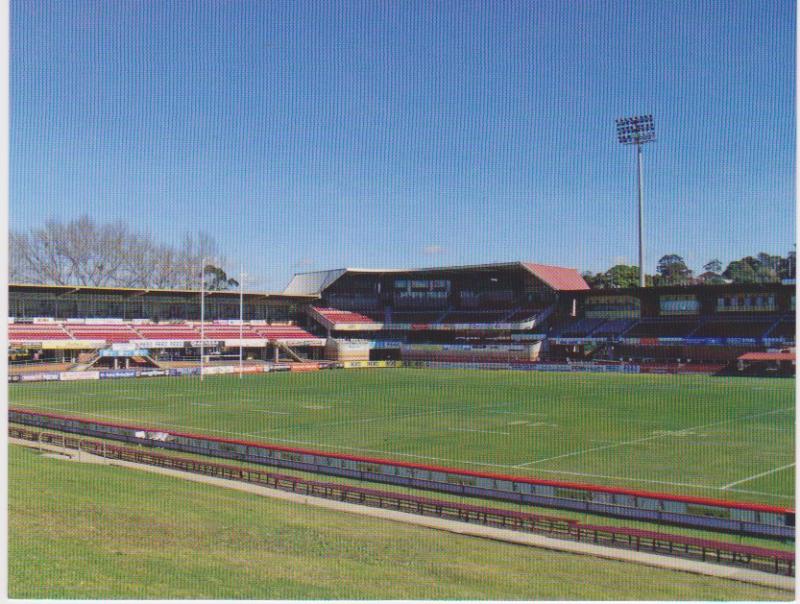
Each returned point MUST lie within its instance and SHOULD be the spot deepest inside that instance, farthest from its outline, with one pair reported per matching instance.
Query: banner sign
(704, 341)
(298, 342)
(153, 372)
(39, 377)
(158, 343)
(524, 337)
(135, 352)
(373, 364)
(179, 371)
(43, 320)
(103, 321)
(124, 373)
(218, 370)
(123, 346)
(576, 341)
(69, 376)
(245, 343)
(304, 367)
(72, 344)
(383, 344)
(13, 378)
(205, 343)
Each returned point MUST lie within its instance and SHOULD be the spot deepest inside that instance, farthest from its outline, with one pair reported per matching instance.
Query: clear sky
(308, 136)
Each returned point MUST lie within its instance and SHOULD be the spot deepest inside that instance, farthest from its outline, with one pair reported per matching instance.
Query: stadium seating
(613, 328)
(521, 314)
(282, 332)
(168, 331)
(582, 328)
(111, 332)
(734, 328)
(785, 328)
(662, 328)
(18, 332)
(344, 316)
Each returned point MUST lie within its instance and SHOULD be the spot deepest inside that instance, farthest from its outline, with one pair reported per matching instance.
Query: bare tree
(80, 252)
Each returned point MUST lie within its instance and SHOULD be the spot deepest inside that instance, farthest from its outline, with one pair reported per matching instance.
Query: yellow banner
(71, 344)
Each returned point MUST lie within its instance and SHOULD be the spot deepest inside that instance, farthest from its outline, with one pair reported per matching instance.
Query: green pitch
(730, 438)
(90, 531)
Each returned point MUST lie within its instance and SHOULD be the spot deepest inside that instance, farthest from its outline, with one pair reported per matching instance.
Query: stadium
(508, 395)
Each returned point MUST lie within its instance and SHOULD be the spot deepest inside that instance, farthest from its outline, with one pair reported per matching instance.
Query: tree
(618, 276)
(740, 271)
(713, 266)
(622, 275)
(81, 252)
(216, 279)
(672, 270)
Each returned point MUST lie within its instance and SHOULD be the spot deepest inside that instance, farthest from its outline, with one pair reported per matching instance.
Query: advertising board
(69, 376)
(39, 377)
(246, 343)
(304, 367)
(72, 344)
(123, 373)
(133, 352)
(153, 372)
(370, 364)
(158, 343)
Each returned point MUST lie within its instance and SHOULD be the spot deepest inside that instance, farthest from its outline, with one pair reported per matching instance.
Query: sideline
(497, 534)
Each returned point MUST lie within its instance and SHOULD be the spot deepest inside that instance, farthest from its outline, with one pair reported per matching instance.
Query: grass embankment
(89, 531)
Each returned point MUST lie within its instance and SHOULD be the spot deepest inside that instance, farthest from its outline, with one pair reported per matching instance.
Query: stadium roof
(556, 277)
(61, 290)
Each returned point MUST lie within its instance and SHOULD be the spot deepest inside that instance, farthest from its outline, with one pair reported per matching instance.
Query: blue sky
(308, 136)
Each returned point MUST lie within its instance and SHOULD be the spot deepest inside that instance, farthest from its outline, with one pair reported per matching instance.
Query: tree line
(81, 252)
(672, 270)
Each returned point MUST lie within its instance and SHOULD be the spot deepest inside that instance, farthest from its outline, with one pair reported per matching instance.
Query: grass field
(89, 531)
(729, 438)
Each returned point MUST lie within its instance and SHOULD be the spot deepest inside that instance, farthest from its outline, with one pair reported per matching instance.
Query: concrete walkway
(453, 526)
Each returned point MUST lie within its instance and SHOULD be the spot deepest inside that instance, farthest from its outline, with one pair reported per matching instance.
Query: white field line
(749, 478)
(483, 431)
(648, 438)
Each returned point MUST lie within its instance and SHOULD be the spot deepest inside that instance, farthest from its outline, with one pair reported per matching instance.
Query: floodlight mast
(638, 130)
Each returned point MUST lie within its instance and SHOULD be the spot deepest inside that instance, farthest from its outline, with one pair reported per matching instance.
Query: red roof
(768, 356)
(557, 277)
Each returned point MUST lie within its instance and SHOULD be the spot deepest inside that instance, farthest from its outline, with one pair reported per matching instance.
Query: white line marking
(484, 431)
(647, 438)
(749, 478)
(270, 411)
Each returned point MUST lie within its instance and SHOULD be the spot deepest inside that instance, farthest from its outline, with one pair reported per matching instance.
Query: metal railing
(732, 554)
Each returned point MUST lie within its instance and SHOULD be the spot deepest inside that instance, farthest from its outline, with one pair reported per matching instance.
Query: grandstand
(64, 325)
(513, 313)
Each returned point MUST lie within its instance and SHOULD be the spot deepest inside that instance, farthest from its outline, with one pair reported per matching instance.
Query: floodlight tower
(638, 130)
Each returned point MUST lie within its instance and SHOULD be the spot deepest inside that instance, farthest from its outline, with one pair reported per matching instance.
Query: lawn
(89, 531)
(729, 438)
